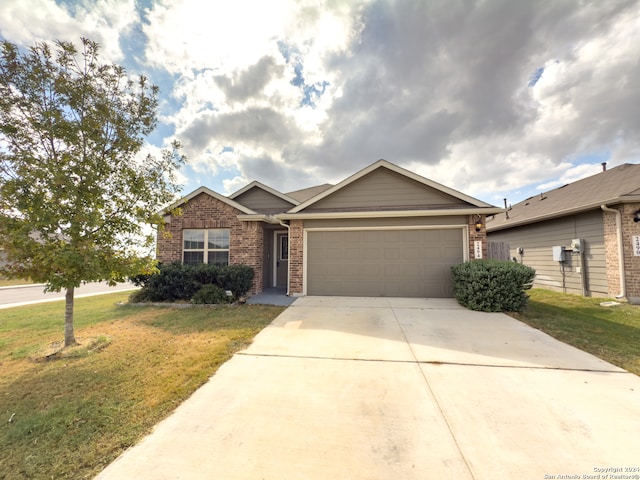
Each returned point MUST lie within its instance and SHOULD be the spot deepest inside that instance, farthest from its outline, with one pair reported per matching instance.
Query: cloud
(248, 83)
(484, 96)
(258, 83)
(103, 21)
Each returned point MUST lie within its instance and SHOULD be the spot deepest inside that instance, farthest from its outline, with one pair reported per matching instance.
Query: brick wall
(203, 211)
(480, 236)
(631, 262)
(611, 252)
(296, 259)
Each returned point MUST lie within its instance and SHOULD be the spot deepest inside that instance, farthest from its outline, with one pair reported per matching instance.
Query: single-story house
(384, 231)
(581, 238)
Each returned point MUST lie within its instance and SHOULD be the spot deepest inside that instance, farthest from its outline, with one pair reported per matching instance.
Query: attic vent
(526, 204)
(563, 186)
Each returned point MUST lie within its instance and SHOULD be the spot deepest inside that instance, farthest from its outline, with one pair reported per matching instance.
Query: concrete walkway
(366, 388)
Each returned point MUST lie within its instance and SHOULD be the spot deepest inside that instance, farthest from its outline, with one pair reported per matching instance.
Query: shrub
(211, 294)
(492, 285)
(237, 279)
(173, 282)
(181, 282)
(140, 280)
(206, 273)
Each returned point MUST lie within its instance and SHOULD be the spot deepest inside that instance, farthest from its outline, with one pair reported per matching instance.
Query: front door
(281, 259)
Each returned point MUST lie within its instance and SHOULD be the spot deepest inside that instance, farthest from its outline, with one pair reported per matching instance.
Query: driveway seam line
(430, 362)
(435, 398)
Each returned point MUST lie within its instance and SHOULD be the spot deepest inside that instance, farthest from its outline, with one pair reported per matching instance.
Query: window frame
(283, 248)
(206, 250)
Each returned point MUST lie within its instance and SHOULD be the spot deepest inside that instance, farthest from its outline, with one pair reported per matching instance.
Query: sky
(494, 98)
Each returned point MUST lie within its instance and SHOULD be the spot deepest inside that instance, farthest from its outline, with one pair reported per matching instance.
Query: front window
(206, 246)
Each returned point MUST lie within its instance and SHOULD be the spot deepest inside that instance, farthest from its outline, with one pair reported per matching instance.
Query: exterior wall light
(636, 216)
(479, 223)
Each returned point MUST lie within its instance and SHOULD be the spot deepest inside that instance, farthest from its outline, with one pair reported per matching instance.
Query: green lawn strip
(610, 333)
(73, 415)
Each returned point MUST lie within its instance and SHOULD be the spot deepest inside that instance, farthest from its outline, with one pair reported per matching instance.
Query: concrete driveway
(391, 388)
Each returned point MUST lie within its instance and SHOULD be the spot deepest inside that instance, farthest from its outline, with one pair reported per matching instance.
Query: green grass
(73, 414)
(610, 333)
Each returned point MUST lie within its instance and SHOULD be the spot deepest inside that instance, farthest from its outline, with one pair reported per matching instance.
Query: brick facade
(246, 239)
(296, 257)
(480, 236)
(631, 262)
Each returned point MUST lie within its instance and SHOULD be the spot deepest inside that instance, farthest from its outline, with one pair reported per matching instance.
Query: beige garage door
(390, 263)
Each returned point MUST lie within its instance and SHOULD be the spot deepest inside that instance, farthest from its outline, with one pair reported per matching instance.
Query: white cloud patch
(103, 21)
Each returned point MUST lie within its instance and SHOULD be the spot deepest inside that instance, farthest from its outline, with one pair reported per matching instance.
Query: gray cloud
(250, 82)
(255, 126)
(426, 76)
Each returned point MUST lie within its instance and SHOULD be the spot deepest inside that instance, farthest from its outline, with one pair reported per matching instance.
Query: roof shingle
(612, 186)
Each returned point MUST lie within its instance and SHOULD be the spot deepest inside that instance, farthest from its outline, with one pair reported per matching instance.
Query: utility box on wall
(577, 245)
(558, 253)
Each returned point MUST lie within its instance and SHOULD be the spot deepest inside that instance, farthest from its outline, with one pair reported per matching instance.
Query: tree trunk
(69, 336)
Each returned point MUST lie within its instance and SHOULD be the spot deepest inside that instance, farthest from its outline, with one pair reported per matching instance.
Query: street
(30, 294)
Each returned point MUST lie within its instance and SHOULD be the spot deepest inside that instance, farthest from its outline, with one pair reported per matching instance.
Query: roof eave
(211, 193)
(560, 213)
(266, 188)
(389, 213)
(259, 218)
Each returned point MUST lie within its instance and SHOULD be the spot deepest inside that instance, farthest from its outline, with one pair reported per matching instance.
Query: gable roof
(305, 194)
(394, 168)
(267, 189)
(211, 193)
(616, 185)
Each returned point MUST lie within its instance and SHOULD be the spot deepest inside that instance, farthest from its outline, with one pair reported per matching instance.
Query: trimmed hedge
(181, 282)
(492, 285)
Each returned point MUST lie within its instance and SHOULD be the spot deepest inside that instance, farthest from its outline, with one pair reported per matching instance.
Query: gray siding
(263, 202)
(386, 222)
(385, 189)
(538, 238)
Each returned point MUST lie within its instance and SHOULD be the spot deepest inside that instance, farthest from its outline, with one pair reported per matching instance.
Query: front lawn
(610, 333)
(69, 415)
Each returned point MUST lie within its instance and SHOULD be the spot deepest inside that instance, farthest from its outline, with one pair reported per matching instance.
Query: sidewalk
(20, 295)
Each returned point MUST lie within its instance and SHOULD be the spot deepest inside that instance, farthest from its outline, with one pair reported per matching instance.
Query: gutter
(389, 213)
(621, 273)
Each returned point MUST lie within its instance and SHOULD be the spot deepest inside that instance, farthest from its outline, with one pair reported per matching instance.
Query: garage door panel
(409, 263)
(391, 253)
(371, 270)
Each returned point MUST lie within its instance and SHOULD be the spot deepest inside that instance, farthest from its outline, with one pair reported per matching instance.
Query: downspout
(623, 283)
(288, 227)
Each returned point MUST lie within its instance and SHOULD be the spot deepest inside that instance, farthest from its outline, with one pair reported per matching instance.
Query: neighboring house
(582, 238)
(384, 231)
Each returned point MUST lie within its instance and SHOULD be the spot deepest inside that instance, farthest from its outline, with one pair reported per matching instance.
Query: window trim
(205, 250)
